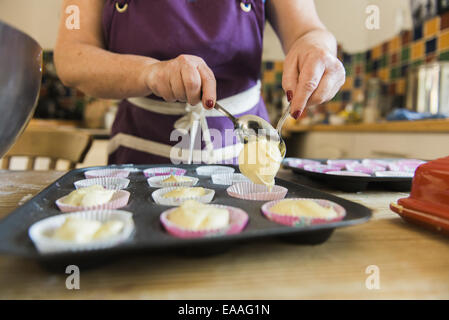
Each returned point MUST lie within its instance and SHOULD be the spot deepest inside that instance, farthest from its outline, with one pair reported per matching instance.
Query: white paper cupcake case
(228, 178)
(210, 170)
(238, 221)
(157, 182)
(159, 199)
(117, 173)
(304, 220)
(164, 171)
(257, 192)
(39, 231)
(110, 183)
(119, 199)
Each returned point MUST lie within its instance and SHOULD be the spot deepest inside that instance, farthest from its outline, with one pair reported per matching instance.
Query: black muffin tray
(150, 236)
(353, 183)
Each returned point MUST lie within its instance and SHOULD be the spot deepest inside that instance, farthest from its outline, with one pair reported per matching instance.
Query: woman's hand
(186, 79)
(312, 73)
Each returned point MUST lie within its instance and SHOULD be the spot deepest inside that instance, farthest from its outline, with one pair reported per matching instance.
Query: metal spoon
(250, 125)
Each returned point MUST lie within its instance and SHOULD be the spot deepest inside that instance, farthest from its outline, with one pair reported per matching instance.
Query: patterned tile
(443, 41)
(405, 54)
(431, 27)
(444, 24)
(417, 33)
(394, 44)
(431, 46)
(444, 56)
(417, 50)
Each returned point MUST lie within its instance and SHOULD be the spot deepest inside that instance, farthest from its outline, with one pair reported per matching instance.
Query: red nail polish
(296, 114)
(289, 95)
(210, 104)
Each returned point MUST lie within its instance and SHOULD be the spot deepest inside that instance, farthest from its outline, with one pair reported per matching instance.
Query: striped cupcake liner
(158, 182)
(210, 170)
(164, 171)
(257, 192)
(119, 199)
(158, 197)
(41, 231)
(304, 220)
(238, 221)
(116, 173)
(109, 183)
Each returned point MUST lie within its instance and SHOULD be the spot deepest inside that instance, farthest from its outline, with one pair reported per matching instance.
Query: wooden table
(412, 262)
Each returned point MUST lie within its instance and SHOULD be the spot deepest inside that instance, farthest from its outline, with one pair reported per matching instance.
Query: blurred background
(393, 103)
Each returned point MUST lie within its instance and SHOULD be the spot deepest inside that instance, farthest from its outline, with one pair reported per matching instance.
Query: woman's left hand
(312, 73)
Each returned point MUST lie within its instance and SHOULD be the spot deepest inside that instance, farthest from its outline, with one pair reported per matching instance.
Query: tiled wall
(388, 61)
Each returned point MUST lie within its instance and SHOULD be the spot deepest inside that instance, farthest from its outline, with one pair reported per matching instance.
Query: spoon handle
(225, 112)
(282, 119)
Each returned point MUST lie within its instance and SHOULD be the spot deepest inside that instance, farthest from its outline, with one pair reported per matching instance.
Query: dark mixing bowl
(20, 81)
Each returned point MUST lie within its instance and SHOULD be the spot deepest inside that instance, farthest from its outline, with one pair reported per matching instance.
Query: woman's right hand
(186, 78)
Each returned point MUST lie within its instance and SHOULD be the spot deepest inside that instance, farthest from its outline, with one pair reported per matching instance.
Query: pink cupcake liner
(349, 173)
(376, 162)
(303, 221)
(117, 173)
(257, 192)
(238, 221)
(110, 183)
(321, 168)
(368, 169)
(119, 200)
(164, 171)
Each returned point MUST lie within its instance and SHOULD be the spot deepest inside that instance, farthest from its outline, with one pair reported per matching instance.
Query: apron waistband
(193, 117)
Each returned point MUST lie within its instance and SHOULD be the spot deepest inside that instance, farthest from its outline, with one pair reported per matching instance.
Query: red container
(428, 203)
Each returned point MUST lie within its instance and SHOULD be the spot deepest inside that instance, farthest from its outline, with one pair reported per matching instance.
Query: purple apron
(228, 38)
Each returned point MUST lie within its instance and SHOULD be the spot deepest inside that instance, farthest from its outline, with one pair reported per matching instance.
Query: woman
(169, 62)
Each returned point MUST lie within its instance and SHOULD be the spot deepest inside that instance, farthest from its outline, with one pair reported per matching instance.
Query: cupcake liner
(109, 183)
(164, 171)
(158, 182)
(349, 173)
(368, 169)
(159, 199)
(238, 221)
(376, 162)
(402, 174)
(341, 163)
(257, 192)
(210, 170)
(321, 168)
(39, 232)
(303, 221)
(117, 173)
(404, 166)
(119, 200)
(300, 163)
(228, 178)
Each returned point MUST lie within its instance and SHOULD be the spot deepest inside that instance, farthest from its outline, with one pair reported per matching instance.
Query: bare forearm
(294, 19)
(100, 73)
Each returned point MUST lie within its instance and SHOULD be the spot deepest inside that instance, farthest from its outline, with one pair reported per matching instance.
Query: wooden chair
(66, 144)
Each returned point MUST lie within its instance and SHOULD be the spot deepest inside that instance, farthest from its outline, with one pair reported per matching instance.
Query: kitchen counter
(413, 263)
(437, 125)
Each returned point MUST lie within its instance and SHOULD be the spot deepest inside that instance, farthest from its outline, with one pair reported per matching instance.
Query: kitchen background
(378, 64)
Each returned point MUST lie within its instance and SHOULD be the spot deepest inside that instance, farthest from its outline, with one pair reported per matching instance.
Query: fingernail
(210, 104)
(296, 114)
(289, 95)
